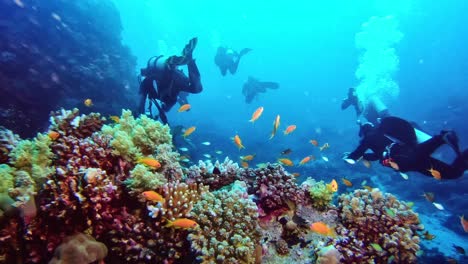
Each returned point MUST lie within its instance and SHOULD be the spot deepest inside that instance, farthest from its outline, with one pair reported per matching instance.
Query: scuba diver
(374, 109)
(253, 86)
(164, 83)
(228, 59)
(397, 144)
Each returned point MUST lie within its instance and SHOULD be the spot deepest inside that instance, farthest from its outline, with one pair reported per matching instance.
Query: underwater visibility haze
(151, 131)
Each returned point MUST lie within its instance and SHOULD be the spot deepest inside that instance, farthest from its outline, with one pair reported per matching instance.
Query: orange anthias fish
(314, 142)
(296, 174)
(238, 142)
(289, 129)
(189, 131)
(244, 164)
(276, 124)
(153, 196)
(347, 182)
(464, 223)
(184, 223)
(151, 162)
(324, 147)
(435, 173)
(333, 186)
(305, 160)
(286, 162)
(247, 157)
(53, 135)
(256, 114)
(184, 108)
(88, 102)
(322, 229)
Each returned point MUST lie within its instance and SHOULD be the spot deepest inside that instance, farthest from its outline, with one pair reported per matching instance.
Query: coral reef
(80, 249)
(321, 196)
(8, 141)
(135, 138)
(274, 188)
(82, 56)
(228, 230)
(70, 123)
(376, 228)
(203, 173)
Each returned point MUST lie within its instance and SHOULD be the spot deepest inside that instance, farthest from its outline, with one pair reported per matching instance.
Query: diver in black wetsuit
(253, 86)
(228, 59)
(394, 142)
(164, 84)
(374, 109)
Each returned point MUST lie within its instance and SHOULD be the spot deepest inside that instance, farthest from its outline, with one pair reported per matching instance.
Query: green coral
(6, 178)
(134, 138)
(142, 178)
(320, 194)
(34, 157)
(228, 230)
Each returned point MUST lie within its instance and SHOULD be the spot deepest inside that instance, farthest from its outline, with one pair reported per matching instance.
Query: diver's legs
(194, 76)
(270, 85)
(427, 147)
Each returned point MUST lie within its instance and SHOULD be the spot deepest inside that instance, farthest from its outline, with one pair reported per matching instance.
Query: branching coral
(376, 227)
(228, 230)
(203, 173)
(134, 138)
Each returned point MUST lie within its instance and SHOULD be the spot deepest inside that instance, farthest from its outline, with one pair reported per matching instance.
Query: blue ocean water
(312, 49)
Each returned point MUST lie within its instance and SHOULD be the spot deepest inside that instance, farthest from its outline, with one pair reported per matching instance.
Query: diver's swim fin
(244, 51)
(186, 57)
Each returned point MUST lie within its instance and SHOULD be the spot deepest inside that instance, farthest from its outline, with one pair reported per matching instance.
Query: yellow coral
(320, 194)
(141, 179)
(133, 138)
(6, 178)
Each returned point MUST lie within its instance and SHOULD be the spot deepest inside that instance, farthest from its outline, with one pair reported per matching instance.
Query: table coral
(228, 230)
(372, 218)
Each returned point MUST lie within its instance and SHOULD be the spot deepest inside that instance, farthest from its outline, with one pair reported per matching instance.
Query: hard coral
(134, 138)
(321, 196)
(79, 249)
(228, 230)
(203, 173)
(70, 123)
(373, 218)
(8, 141)
(275, 188)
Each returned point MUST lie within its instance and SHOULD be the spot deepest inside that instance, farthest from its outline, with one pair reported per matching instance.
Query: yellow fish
(189, 131)
(244, 164)
(88, 102)
(256, 115)
(347, 182)
(184, 108)
(305, 160)
(114, 118)
(286, 162)
(366, 163)
(153, 196)
(276, 124)
(238, 142)
(332, 186)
